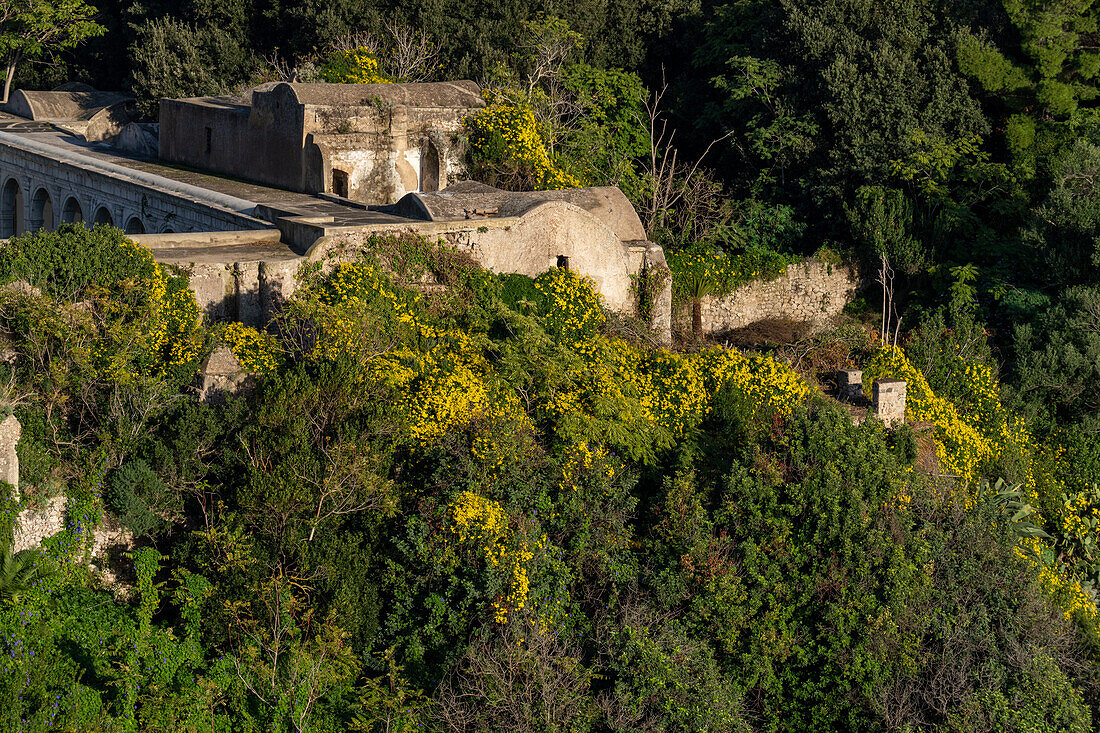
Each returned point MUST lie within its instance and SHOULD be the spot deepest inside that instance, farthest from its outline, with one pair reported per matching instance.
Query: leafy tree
(134, 493)
(32, 28)
(1051, 60)
(837, 87)
(1057, 359)
(172, 58)
(1065, 231)
(881, 222)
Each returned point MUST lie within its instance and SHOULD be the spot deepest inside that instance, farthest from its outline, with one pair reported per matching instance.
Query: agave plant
(18, 572)
(1010, 499)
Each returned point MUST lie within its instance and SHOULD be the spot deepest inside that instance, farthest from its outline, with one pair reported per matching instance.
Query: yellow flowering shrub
(257, 351)
(358, 312)
(153, 330)
(507, 133)
(357, 66)
(581, 458)
(441, 376)
(666, 393)
(127, 319)
(969, 434)
(1056, 579)
(762, 381)
(972, 432)
(574, 308)
(484, 525)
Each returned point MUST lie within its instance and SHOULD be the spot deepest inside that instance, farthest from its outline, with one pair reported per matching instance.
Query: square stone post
(221, 375)
(888, 401)
(849, 384)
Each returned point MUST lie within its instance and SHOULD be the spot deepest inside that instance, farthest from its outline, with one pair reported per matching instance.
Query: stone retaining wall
(35, 525)
(808, 292)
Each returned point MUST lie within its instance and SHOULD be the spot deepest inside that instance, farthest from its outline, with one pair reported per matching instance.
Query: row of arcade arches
(16, 219)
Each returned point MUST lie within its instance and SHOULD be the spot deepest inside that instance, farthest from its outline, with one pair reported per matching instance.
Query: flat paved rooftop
(279, 201)
(220, 253)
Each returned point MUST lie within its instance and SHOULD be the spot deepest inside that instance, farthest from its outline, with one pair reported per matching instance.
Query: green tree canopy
(31, 28)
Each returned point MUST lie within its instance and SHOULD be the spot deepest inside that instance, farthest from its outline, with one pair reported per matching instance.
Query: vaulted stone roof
(461, 94)
(472, 200)
(63, 104)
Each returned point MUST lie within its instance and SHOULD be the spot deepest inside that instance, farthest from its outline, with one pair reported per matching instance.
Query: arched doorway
(41, 211)
(135, 226)
(340, 183)
(71, 213)
(429, 168)
(102, 216)
(11, 209)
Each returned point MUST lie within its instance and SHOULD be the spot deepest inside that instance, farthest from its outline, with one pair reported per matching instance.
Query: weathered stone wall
(231, 147)
(109, 539)
(384, 153)
(235, 276)
(809, 292)
(10, 430)
(392, 141)
(528, 245)
(36, 524)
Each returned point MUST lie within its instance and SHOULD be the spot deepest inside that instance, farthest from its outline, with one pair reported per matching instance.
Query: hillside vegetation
(488, 508)
(494, 506)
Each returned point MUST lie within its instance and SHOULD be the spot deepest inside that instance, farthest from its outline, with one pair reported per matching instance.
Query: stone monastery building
(241, 192)
(371, 143)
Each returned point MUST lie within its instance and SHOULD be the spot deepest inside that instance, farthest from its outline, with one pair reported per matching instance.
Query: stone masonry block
(221, 375)
(849, 383)
(888, 401)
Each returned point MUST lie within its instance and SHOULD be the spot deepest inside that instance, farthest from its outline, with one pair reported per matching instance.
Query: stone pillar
(10, 430)
(849, 384)
(278, 280)
(221, 375)
(249, 302)
(888, 401)
(655, 266)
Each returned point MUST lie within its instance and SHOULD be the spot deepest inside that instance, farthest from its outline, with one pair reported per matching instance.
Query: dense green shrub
(132, 493)
(477, 508)
(519, 293)
(65, 264)
(1056, 357)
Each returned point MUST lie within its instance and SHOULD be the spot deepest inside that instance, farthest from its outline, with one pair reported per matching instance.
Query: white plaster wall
(412, 157)
(358, 164)
(527, 245)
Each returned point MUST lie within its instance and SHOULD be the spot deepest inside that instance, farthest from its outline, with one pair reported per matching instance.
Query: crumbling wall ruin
(41, 519)
(808, 292)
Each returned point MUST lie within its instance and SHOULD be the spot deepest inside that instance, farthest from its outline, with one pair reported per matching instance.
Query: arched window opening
(103, 216)
(135, 226)
(41, 211)
(72, 213)
(11, 209)
(429, 168)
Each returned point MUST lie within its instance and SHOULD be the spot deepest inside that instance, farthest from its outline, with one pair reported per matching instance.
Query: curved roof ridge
(468, 200)
(415, 94)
